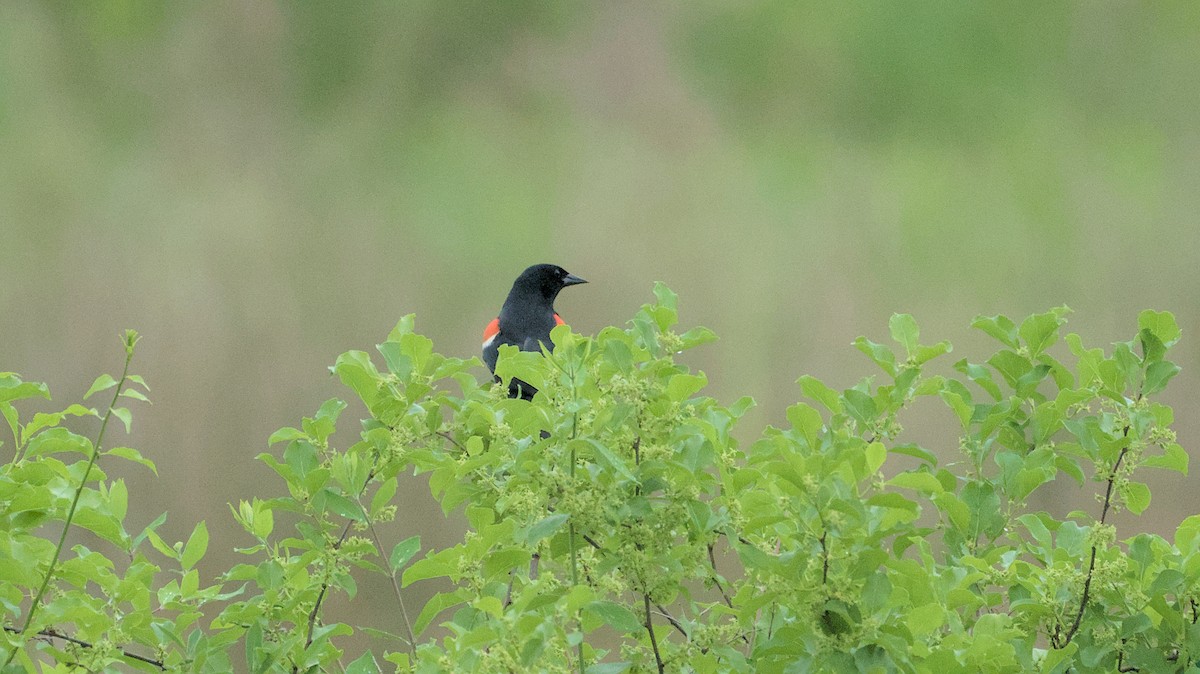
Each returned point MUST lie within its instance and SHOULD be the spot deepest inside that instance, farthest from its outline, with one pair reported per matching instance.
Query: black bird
(527, 317)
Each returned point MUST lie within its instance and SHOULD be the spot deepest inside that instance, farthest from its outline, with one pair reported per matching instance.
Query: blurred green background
(257, 187)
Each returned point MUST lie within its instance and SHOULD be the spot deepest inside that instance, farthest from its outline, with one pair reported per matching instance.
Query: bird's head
(547, 280)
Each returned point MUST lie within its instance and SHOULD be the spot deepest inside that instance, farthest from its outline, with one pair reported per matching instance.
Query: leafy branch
(49, 633)
(130, 340)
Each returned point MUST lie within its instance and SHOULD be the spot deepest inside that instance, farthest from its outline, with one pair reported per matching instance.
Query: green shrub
(616, 525)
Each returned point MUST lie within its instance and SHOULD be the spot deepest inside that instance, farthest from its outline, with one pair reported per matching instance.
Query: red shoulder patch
(490, 332)
(558, 320)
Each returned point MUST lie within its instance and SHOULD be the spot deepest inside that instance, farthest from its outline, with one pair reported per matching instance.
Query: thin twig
(412, 639)
(671, 620)
(824, 559)
(661, 609)
(712, 562)
(650, 628)
(312, 615)
(1087, 582)
(53, 634)
(451, 439)
(1121, 660)
(571, 522)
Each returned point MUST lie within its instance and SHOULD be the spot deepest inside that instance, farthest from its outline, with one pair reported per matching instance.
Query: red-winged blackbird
(527, 317)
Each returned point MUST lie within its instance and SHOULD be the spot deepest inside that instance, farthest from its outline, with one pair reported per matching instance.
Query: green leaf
(1040, 331)
(695, 337)
(879, 353)
(397, 362)
(124, 415)
(817, 390)
(860, 406)
(12, 388)
(806, 421)
(1157, 376)
(102, 383)
(1173, 458)
(905, 332)
(365, 664)
(605, 457)
(528, 366)
(43, 420)
(665, 296)
(58, 440)
(615, 616)
(1136, 496)
(876, 455)
(609, 667)
(434, 607)
(1161, 324)
(196, 546)
(546, 527)
(915, 451)
(1011, 365)
(137, 379)
(925, 619)
(917, 480)
(981, 376)
(131, 454)
(503, 561)
(135, 394)
(925, 354)
(355, 369)
(254, 647)
(336, 503)
(383, 495)
(683, 386)
(10, 415)
(404, 326)
(955, 510)
(436, 565)
(286, 434)
(961, 408)
(161, 545)
(1000, 327)
(118, 499)
(403, 552)
(158, 521)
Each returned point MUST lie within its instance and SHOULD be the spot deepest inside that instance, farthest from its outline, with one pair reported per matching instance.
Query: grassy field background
(257, 187)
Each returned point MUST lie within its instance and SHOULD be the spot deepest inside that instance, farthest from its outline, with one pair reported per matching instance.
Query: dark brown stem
(52, 634)
(824, 559)
(312, 615)
(449, 437)
(650, 628)
(661, 609)
(1121, 661)
(712, 562)
(1087, 582)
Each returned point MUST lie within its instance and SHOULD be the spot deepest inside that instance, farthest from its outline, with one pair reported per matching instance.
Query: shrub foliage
(617, 525)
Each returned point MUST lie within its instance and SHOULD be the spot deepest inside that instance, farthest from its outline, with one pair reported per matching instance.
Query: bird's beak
(572, 280)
